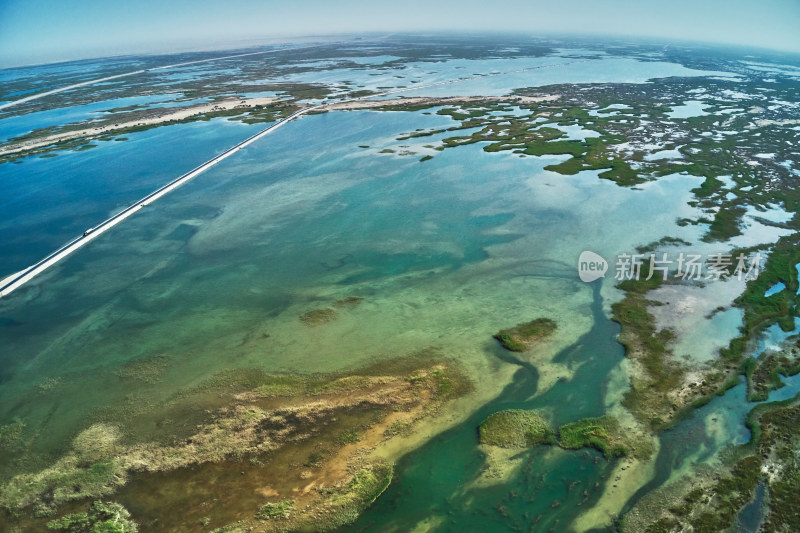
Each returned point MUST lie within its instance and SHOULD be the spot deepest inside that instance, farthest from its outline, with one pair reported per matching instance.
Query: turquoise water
(21, 124)
(773, 337)
(789, 390)
(775, 289)
(261, 238)
(751, 515)
(663, 154)
(49, 201)
(708, 431)
(434, 481)
(548, 70)
(690, 108)
(444, 252)
(575, 132)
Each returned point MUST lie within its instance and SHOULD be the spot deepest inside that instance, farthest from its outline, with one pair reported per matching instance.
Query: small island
(518, 338)
(520, 428)
(515, 428)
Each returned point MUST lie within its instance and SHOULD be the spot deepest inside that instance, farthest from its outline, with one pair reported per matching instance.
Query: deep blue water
(49, 201)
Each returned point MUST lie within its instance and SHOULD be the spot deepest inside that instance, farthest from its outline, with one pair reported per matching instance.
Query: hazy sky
(43, 31)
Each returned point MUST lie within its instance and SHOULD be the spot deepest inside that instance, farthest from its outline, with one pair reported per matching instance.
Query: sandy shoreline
(157, 116)
(164, 115)
(428, 100)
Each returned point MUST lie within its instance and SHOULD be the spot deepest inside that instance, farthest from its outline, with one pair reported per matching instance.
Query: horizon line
(286, 38)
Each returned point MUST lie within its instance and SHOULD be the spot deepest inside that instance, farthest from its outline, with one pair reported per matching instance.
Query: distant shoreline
(158, 116)
(165, 115)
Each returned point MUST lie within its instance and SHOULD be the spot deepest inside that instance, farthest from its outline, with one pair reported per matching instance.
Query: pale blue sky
(43, 31)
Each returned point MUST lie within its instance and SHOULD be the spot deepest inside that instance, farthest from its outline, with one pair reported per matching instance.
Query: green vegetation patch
(643, 342)
(518, 338)
(515, 428)
(664, 241)
(69, 479)
(280, 509)
(367, 484)
(602, 433)
(764, 374)
(781, 440)
(10, 434)
(101, 517)
(762, 311)
(350, 436)
(726, 224)
(776, 439)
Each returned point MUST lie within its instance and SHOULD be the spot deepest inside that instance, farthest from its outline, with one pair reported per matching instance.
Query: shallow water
(708, 431)
(434, 481)
(773, 337)
(689, 109)
(775, 289)
(51, 200)
(21, 124)
(444, 252)
(751, 515)
(511, 73)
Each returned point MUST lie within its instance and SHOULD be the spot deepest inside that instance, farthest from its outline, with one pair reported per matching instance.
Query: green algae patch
(515, 428)
(349, 302)
(101, 517)
(337, 507)
(89, 470)
(662, 242)
(367, 484)
(519, 428)
(602, 433)
(149, 369)
(317, 317)
(280, 509)
(644, 343)
(331, 423)
(10, 434)
(518, 338)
